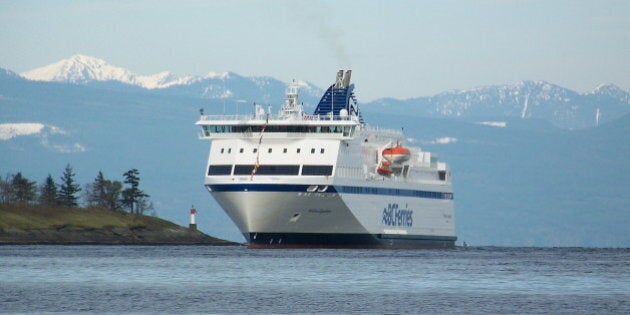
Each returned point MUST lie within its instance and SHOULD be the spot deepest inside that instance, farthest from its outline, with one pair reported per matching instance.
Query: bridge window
(312, 150)
(325, 170)
(298, 150)
(219, 170)
(243, 169)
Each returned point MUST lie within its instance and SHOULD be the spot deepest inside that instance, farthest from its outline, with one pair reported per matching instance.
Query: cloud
(12, 130)
(62, 147)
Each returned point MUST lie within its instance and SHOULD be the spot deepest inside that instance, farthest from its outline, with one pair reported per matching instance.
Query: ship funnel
(338, 82)
(338, 97)
(346, 78)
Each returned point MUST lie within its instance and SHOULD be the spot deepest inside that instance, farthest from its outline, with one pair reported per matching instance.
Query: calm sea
(203, 279)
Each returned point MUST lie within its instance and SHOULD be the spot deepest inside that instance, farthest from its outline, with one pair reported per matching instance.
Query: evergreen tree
(111, 199)
(104, 193)
(132, 196)
(48, 192)
(68, 188)
(95, 191)
(23, 190)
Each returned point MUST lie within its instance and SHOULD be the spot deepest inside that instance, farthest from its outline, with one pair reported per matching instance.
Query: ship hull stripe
(361, 190)
(341, 240)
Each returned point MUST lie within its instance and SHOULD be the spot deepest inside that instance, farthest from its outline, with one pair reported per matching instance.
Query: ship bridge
(336, 117)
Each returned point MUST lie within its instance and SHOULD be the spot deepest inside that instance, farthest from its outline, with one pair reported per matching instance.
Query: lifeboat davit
(396, 154)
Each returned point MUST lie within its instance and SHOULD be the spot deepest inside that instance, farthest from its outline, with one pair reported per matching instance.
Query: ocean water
(205, 279)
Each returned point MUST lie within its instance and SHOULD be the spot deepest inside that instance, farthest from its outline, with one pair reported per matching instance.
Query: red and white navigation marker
(193, 224)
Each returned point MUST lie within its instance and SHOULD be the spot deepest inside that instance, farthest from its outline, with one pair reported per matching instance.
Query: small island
(112, 215)
(34, 224)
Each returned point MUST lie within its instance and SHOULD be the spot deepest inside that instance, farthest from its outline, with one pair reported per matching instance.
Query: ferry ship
(326, 179)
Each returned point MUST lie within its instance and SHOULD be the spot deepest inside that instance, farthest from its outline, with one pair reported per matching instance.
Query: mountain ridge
(80, 68)
(527, 99)
(563, 107)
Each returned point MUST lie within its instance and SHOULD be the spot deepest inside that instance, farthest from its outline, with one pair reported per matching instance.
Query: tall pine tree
(134, 199)
(68, 188)
(23, 190)
(104, 193)
(95, 191)
(48, 192)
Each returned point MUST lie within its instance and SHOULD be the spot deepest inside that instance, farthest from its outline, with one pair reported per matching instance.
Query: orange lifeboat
(384, 169)
(396, 154)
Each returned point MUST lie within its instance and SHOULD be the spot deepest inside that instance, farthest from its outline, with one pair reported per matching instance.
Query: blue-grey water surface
(205, 279)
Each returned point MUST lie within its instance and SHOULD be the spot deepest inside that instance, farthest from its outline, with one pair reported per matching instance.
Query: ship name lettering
(393, 216)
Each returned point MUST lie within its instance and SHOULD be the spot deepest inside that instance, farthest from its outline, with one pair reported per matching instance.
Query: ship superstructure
(326, 179)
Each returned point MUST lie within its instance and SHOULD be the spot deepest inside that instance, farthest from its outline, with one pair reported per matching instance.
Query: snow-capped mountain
(610, 91)
(81, 69)
(162, 80)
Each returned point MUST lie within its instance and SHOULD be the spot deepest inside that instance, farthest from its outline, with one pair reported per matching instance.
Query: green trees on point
(101, 193)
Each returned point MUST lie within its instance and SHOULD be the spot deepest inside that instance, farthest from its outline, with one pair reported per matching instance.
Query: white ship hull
(291, 216)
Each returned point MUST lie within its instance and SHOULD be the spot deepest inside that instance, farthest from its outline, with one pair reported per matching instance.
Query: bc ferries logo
(392, 216)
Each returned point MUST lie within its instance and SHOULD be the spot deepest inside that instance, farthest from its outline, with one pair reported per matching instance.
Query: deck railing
(267, 117)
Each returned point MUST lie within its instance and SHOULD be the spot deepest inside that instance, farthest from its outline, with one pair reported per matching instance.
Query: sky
(398, 49)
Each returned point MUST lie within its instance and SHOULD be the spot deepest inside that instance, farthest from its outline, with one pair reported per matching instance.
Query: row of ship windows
(285, 150)
(286, 170)
(346, 130)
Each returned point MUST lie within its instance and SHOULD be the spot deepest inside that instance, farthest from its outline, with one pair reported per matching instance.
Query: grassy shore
(33, 224)
(33, 217)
